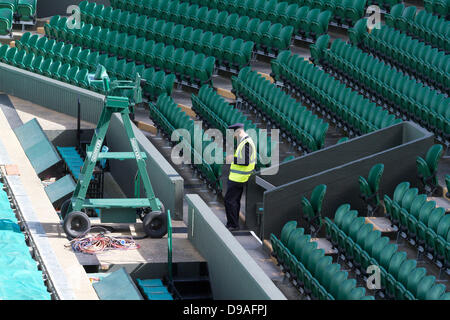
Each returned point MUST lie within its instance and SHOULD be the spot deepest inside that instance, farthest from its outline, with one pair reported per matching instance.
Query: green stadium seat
(427, 168)
(401, 279)
(9, 4)
(438, 7)
(195, 69)
(427, 63)
(311, 269)
(6, 21)
(369, 188)
(269, 36)
(311, 209)
(26, 10)
(357, 115)
(398, 91)
(169, 117)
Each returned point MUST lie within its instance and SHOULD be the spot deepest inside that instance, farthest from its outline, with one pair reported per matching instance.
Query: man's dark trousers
(233, 202)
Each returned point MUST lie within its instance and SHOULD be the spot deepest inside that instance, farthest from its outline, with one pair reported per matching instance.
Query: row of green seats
(23, 10)
(268, 37)
(6, 22)
(169, 117)
(220, 114)
(426, 63)
(45, 49)
(356, 113)
(306, 21)
(297, 121)
(419, 220)
(46, 67)
(311, 269)
(364, 247)
(438, 7)
(384, 4)
(345, 12)
(420, 24)
(20, 278)
(398, 91)
(235, 53)
(193, 68)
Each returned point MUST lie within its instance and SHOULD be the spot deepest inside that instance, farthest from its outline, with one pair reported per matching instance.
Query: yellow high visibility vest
(241, 173)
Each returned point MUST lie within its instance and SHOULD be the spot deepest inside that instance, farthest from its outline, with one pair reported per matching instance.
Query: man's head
(238, 130)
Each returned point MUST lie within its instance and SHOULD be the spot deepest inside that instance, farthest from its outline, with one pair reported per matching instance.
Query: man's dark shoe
(232, 228)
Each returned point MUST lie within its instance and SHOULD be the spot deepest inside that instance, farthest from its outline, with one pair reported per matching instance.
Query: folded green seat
(427, 170)
(438, 7)
(347, 108)
(190, 68)
(231, 54)
(383, 83)
(218, 113)
(420, 222)
(6, 20)
(369, 189)
(26, 10)
(421, 24)
(312, 208)
(296, 121)
(310, 269)
(174, 122)
(268, 37)
(363, 246)
(427, 64)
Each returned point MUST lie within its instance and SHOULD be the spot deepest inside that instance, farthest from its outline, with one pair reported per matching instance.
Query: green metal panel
(233, 273)
(60, 188)
(50, 93)
(118, 215)
(37, 147)
(117, 285)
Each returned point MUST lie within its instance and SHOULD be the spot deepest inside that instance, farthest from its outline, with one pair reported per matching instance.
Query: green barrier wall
(62, 97)
(338, 167)
(233, 273)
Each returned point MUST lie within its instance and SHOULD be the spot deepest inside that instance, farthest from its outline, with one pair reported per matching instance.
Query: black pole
(79, 124)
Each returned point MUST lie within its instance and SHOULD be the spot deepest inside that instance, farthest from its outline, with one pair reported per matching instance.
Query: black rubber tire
(76, 224)
(155, 224)
(64, 208)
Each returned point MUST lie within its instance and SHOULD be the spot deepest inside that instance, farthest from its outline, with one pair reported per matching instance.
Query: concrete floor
(150, 251)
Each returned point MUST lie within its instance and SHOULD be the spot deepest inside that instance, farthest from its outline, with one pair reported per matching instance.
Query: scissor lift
(120, 98)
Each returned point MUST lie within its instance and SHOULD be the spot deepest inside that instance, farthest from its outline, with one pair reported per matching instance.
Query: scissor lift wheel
(155, 224)
(76, 224)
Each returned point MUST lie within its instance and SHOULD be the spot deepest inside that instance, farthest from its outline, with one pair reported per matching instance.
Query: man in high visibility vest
(242, 166)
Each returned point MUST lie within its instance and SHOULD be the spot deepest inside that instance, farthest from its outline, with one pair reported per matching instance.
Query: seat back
(317, 197)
